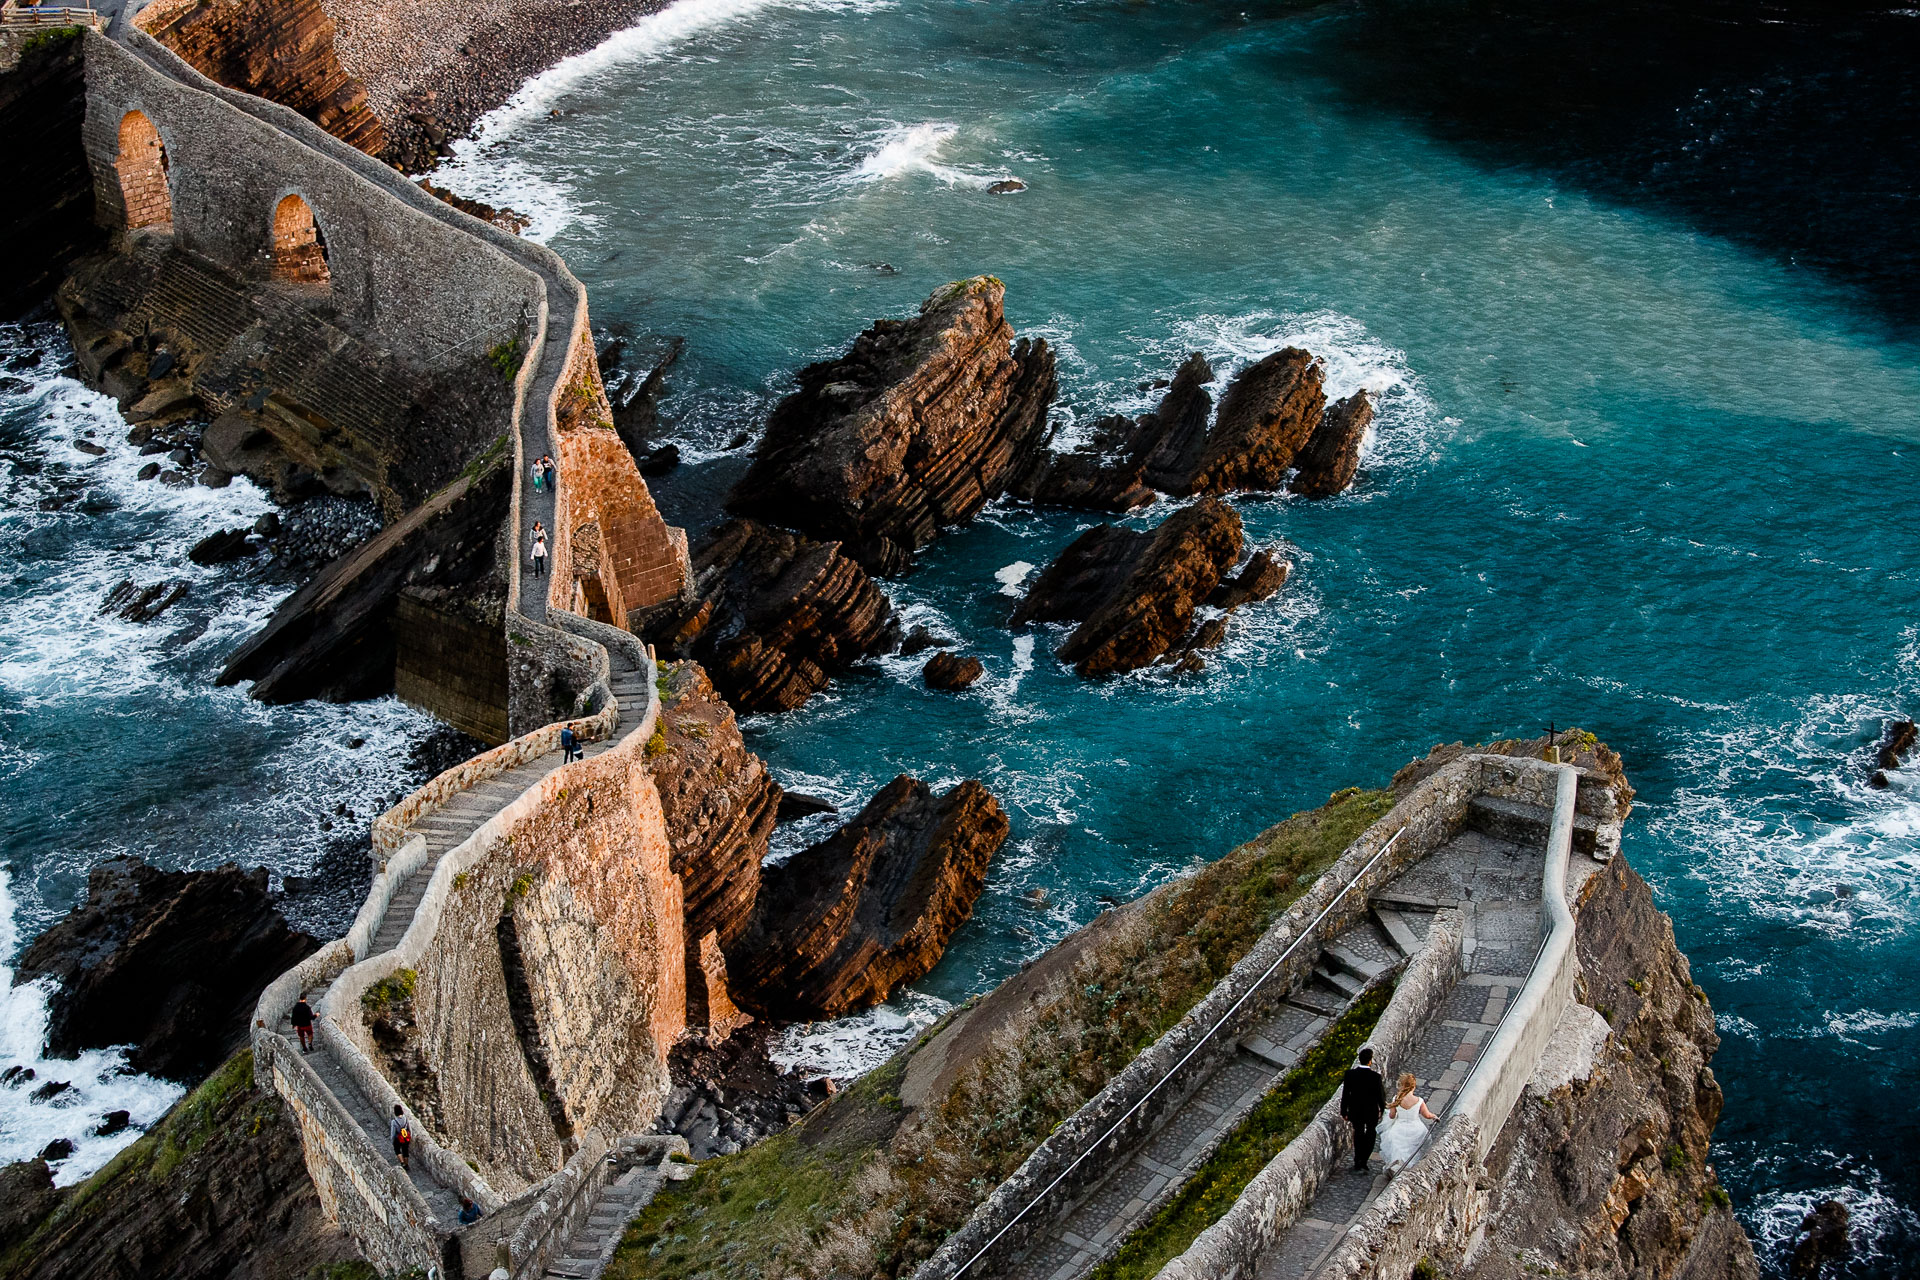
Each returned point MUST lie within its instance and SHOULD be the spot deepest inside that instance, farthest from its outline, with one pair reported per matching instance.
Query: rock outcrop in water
(916, 428)
(841, 923)
(168, 961)
(1273, 418)
(775, 615)
(1135, 593)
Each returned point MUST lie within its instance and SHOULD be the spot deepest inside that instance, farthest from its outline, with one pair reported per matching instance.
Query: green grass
(390, 990)
(505, 358)
(1275, 1120)
(862, 1189)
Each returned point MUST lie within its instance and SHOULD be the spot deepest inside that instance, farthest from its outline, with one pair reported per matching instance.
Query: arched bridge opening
(299, 250)
(142, 165)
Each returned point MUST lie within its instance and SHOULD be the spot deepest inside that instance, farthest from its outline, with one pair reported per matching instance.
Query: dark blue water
(1648, 422)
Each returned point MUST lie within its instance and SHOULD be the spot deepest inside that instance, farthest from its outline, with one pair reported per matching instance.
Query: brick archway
(299, 250)
(142, 166)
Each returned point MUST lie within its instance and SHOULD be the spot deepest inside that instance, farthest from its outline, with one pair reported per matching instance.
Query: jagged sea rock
(917, 427)
(143, 604)
(1135, 593)
(775, 615)
(1332, 456)
(168, 961)
(221, 547)
(841, 923)
(1895, 743)
(1266, 417)
(950, 671)
(1823, 1239)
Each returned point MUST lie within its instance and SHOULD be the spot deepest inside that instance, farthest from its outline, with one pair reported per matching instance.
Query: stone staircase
(592, 1244)
(1146, 1177)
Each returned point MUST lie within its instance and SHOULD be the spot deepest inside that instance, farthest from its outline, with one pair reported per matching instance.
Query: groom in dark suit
(1363, 1096)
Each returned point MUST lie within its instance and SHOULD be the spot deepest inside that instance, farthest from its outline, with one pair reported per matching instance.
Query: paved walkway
(591, 1247)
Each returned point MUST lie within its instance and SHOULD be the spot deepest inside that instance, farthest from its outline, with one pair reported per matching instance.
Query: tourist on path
(539, 550)
(546, 465)
(1406, 1128)
(402, 1134)
(1363, 1096)
(569, 745)
(469, 1212)
(302, 1020)
(539, 473)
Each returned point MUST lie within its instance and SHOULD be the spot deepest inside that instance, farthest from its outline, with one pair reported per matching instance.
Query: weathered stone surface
(840, 924)
(1823, 1239)
(1134, 593)
(775, 615)
(1266, 417)
(950, 671)
(502, 217)
(1332, 456)
(143, 604)
(720, 805)
(1260, 577)
(232, 1200)
(281, 50)
(917, 427)
(1614, 1177)
(219, 548)
(168, 961)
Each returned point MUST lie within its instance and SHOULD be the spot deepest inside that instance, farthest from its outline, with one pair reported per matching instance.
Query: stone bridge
(1462, 899)
(515, 977)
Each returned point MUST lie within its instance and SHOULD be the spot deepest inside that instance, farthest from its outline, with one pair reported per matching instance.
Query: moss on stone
(393, 989)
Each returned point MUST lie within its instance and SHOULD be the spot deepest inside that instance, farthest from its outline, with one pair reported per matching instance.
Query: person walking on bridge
(302, 1019)
(402, 1134)
(1363, 1096)
(569, 745)
(539, 550)
(539, 470)
(546, 465)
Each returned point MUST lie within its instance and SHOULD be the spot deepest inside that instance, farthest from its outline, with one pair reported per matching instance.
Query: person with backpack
(569, 745)
(402, 1135)
(302, 1020)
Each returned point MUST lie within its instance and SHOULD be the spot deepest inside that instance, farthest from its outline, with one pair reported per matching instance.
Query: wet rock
(795, 805)
(1006, 186)
(1266, 417)
(26, 1196)
(916, 428)
(841, 923)
(1332, 456)
(950, 671)
(1895, 743)
(58, 1149)
(215, 478)
(88, 446)
(636, 410)
(143, 604)
(168, 961)
(221, 547)
(181, 457)
(660, 461)
(51, 1090)
(16, 1075)
(720, 804)
(112, 1123)
(505, 219)
(1135, 593)
(919, 640)
(1260, 577)
(775, 615)
(147, 472)
(174, 480)
(267, 525)
(1822, 1240)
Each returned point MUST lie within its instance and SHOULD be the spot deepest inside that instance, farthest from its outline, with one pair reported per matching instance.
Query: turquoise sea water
(1627, 475)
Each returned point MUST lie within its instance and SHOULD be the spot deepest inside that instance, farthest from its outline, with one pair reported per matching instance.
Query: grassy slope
(867, 1187)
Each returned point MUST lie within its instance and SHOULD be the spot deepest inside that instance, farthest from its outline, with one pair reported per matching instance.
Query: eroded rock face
(1611, 1177)
(842, 923)
(1332, 456)
(917, 427)
(775, 615)
(1266, 418)
(950, 671)
(1135, 593)
(169, 961)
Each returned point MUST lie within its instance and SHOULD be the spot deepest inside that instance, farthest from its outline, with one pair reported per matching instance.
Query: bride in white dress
(1406, 1126)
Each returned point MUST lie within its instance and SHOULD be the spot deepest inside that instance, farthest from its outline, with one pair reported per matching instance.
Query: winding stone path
(591, 1246)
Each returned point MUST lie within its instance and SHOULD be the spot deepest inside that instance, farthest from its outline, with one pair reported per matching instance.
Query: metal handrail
(1201, 1040)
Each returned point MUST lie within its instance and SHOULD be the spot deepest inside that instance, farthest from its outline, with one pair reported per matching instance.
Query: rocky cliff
(47, 219)
(774, 615)
(1135, 593)
(281, 50)
(168, 961)
(1611, 1175)
(840, 924)
(218, 1190)
(917, 427)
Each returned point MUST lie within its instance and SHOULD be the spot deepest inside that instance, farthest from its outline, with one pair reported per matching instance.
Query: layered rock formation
(775, 615)
(917, 427)
(169, 961)
(950, 671)
(1135, 593)
(1273, 418)
(1612, 1177)
(841, 923)
(218, 1188)
(281, 50)
(720, 805)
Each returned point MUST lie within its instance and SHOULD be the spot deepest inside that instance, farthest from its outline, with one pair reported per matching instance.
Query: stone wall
(47, 218)
(451, 665)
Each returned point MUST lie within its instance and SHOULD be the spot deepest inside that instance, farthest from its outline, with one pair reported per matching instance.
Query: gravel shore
(432, 68)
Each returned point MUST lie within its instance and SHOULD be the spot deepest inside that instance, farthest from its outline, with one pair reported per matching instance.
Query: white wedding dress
(1402, 1134)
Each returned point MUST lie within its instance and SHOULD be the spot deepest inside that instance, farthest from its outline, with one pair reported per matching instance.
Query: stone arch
(299, 250)
(142, 166)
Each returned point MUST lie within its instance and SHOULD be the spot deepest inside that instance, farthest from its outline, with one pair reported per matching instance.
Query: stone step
(1407, 900)
(1397, 929)
(1345, 983)
(1317, 1002)
(1353, 962)
(1527, 824)
(1267, 1051)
